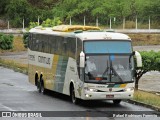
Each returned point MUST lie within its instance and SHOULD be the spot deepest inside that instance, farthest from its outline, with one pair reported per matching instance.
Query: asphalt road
(17, 94)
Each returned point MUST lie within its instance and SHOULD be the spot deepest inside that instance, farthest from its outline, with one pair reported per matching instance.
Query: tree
(3, 4)
(151, 62)
(17, 10)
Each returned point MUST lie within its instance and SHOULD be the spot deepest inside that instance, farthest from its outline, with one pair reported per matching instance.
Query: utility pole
(38, 20)
(97, 22)
(136, 22)
(110, 23)
(84, 21)
(124, 23)
(23, 24)
(70, 21)
(149, 23)
(8, 24)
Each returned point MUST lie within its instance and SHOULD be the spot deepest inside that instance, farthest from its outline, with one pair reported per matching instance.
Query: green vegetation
(25, 39)
(147, 98)
(151, 62)
(47, 23)
(6, 41)
(16, 10)
(23, 68)
(51, 22)
(18, 45)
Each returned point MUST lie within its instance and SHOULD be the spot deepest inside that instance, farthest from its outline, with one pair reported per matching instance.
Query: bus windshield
(114, 67)
(100, 46)
(108, 68)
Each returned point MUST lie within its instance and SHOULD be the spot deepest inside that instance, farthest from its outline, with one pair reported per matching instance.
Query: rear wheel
(41, 87)
(116, 102)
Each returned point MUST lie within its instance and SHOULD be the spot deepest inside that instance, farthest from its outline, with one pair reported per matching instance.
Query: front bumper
(107, 95)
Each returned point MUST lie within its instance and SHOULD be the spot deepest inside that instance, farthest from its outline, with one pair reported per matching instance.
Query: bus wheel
(73, 97)
(116, 102)
(38, 87)
(42, 89)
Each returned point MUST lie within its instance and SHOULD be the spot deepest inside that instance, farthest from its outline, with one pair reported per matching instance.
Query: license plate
(109, 96)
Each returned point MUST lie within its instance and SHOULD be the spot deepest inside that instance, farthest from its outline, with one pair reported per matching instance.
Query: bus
(80, 61)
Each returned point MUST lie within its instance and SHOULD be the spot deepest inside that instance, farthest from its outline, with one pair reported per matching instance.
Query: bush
(25, 39)
(6, 41)
(51, 22)
(151, 62)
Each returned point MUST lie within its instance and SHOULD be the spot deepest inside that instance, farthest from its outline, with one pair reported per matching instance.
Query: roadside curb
(143, 104)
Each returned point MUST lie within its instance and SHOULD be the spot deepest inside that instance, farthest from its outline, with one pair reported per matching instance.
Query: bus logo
(110, 89)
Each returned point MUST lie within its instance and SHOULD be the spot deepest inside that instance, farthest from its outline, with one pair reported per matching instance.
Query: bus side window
(30, 42)
(72, 47)
(79, 49)
(59, 45)
(37, 42)
(33, 42)
(49, 44)
(45, 40)
(54, 45)
(64, 47)
(42, 50)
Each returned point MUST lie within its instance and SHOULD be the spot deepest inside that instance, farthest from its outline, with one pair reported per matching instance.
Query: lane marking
(8, 108)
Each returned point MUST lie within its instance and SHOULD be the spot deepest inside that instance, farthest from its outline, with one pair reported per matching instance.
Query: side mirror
(82, 59)
(138, 59)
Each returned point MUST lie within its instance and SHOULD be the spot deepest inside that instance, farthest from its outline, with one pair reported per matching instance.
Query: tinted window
(107, 47)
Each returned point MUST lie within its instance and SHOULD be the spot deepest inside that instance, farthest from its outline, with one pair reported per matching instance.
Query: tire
(116, 102)
(72, 95)
(41, 87)
(36, 79)
(38, 87)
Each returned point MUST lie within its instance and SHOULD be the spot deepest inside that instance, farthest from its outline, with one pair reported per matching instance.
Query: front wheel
(116, 102)
(73, 97)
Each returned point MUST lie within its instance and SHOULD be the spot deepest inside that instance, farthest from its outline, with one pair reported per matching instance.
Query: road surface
(17, 94)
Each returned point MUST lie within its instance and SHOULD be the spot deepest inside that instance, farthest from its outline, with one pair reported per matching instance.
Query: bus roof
(86, 33)
(102, 35)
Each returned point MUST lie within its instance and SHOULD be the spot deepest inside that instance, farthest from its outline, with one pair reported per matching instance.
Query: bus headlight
(90, 89)
(129, 89)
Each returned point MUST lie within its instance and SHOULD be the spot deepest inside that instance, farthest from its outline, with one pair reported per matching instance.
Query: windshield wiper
(112, 69)
(116, 74)
(106, 70)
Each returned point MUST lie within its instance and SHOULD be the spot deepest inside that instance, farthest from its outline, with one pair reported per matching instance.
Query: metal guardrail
(138, 31)
(12, 31)
(152, 31)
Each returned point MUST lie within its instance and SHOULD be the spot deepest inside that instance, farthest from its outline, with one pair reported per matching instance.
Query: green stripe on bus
(117, 86)
(60, 73)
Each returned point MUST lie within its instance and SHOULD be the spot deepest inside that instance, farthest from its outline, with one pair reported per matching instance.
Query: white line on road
(8, 108)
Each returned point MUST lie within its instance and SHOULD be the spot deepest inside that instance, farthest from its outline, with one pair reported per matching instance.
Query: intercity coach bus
(83, 62)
